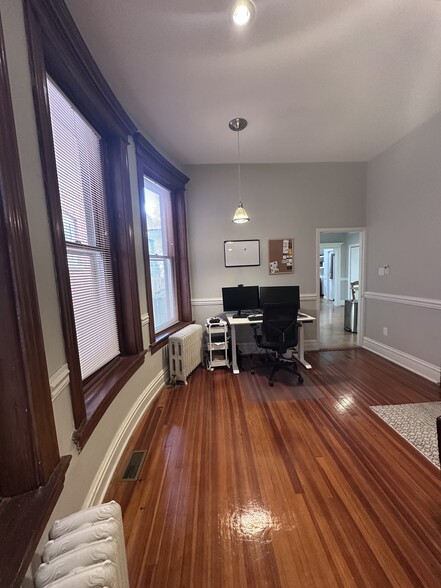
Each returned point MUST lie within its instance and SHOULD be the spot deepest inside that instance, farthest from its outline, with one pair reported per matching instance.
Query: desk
(240, 322)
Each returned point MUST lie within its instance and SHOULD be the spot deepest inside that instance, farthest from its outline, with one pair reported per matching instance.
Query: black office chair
(279, 333)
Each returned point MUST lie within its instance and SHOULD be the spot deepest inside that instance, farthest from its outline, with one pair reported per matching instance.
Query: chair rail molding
(401, 299)
(218, 301)
(206, 301)
(308, 297)
(59, 381)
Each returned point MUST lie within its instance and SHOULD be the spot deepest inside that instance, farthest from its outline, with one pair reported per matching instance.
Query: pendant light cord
(238, 124)
(238, 158)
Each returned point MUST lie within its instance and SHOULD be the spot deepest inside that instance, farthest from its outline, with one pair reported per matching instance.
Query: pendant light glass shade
(240, 216)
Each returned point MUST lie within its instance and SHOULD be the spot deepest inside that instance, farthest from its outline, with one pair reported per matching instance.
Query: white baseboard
(418, 366)
(114, 453)
(312, 345)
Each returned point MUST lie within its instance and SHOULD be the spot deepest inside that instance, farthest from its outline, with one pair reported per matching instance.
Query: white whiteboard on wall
(242, 253)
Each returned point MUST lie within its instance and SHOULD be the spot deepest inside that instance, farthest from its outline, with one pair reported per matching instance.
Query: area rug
(416, 423)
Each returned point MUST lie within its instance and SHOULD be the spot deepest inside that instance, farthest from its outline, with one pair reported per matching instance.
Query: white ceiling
(317, 80)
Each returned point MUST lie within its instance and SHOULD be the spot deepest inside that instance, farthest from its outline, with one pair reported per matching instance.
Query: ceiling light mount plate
(237, 124)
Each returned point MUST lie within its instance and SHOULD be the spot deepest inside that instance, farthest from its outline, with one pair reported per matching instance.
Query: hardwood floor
(245, 485)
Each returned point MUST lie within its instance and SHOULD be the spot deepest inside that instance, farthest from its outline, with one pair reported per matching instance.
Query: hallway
(332, 333)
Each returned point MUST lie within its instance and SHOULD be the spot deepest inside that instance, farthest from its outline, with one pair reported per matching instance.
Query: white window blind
(161, 253)
(81, 186)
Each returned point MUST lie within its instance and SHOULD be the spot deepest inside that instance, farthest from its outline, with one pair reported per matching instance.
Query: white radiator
(185, 352)
(86, 549)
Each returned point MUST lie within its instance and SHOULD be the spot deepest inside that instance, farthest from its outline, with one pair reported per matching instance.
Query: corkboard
(281, 256)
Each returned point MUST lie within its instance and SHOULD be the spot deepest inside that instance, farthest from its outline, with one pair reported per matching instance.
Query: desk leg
(300, 355)
(233, 350)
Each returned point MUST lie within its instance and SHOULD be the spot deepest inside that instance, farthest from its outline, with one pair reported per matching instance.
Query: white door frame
(362, 231)
(336, 249)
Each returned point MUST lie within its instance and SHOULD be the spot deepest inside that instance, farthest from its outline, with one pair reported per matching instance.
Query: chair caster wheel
(300, 380)
(253, 372)
(271, 383)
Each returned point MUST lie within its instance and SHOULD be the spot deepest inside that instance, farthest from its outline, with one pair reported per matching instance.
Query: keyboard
(255, 317)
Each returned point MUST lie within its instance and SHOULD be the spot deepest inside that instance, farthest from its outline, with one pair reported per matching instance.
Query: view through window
(161, 254)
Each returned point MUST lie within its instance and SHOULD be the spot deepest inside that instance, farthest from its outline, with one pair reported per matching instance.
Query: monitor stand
(241, 314)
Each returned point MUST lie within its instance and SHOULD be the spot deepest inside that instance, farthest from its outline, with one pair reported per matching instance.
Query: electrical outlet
(385, 331)
(381, 271)
(386, 270)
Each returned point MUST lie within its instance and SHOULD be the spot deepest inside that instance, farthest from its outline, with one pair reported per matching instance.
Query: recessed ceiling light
(243, 12)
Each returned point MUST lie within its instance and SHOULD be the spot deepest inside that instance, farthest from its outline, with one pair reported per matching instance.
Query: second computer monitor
(240, 299)
(271, 294)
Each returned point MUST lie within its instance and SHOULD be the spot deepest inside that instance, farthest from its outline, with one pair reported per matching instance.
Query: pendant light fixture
(240, 216)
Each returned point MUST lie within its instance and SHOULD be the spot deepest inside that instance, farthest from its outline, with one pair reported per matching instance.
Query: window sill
(162, 337)
(23, 519)
(102, 390)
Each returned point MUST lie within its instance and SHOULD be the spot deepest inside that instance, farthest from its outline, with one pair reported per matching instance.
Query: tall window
(83, 137)
(86, 232)
(162, 199)
(161, 253)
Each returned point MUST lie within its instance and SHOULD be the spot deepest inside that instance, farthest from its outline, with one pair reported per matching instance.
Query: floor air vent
(133, 468)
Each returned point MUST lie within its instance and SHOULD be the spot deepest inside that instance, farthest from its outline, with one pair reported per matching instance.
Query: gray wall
(285, 200)
(404, 220)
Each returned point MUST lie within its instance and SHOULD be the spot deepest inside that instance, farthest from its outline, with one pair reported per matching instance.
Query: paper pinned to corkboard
(281, 256)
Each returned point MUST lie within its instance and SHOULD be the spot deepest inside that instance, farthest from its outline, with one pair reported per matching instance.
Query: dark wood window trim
(23, 519)
(152, 164)
(102, 389)
(32, 473)
(57, 48)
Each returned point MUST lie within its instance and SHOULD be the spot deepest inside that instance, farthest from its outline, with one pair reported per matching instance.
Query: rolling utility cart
(217, 341)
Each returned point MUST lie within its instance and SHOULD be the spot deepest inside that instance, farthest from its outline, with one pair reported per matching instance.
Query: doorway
(340, 263)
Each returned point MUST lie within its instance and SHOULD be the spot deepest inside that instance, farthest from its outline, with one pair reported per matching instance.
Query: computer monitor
(240, 299)
(273, 294)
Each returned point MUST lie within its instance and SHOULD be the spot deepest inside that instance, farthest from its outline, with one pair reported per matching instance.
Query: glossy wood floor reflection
(292, 486)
